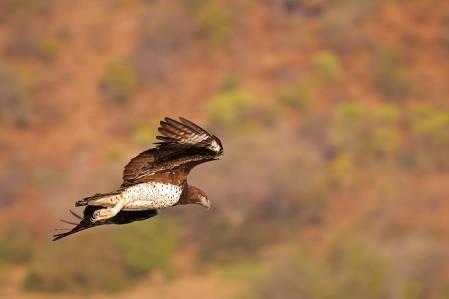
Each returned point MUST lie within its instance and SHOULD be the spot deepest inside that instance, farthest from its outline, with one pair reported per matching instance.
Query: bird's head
(203, 200)
(197, 196)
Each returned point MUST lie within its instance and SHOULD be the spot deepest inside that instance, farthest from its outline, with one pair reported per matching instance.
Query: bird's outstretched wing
(123, 217)
(182, 145)
(185, 134)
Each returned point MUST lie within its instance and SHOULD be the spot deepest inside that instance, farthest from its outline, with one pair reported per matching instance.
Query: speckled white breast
(151, 196)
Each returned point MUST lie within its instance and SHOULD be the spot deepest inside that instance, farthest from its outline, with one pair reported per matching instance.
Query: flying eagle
(154, 179)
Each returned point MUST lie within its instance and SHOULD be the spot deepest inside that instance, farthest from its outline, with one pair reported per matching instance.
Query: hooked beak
(207, 204)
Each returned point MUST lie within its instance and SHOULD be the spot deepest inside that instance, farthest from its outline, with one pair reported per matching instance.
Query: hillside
(334, 117)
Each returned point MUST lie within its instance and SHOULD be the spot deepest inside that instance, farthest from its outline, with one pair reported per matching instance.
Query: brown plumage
(154, 179)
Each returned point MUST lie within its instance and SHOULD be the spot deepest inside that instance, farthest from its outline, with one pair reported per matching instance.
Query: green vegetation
(339, 143)
(215, 22)
(99, 266)
(430, 124)
(231, 82)
(366, 133)
(143, 133)
(15, 244)
(243, 271)
(231, 108)
(351, 271)
(48, 48)
(296, 96)
(342, 171)
(148, 246)
(391, 78)
(119, 82)
(430, 133)
(114, 152)
(362, 138)
(351, 268)
(108, 262)
(363, 134)
(328, 66)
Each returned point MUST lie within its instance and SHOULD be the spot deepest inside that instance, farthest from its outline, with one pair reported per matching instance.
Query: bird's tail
(91, 200)
(84, 223)
(123, 217)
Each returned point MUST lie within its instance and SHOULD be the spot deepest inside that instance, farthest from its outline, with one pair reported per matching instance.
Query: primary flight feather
(154, 179)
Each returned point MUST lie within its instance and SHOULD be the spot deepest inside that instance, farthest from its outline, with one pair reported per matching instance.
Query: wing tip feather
(184, 131)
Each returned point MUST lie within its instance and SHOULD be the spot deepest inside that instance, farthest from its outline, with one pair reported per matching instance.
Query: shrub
(296, 96)
(353, 267)
(390, 76)
(109, 261)
(66, 267)
(351, 271)
(48, 48)
(365, 133)
(328, 66)
(119, 81)
(148, 246)
(429, 134)
(15, 244)
(114, 152)
(143, 133)
(431, 124)
(214, 21)
(386, 136)
(342, 171)
(228, 109)
(231, 82)
(14, 98)
(242, 271)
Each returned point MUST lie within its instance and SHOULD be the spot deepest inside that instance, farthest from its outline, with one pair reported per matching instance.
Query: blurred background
(334, 117)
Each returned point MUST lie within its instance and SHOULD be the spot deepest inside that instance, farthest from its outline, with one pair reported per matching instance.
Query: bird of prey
(154, 179)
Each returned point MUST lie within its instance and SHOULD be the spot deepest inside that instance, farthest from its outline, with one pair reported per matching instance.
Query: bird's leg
(107, 212)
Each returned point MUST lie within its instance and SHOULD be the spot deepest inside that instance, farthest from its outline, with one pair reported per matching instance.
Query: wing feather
(187, 133)
(181, 146)
(193, 126)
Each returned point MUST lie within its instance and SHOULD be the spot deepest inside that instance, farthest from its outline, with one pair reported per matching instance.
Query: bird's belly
(152, 195)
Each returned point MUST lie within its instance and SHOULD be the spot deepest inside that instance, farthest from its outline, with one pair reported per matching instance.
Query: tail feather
(85, 201)
(85, 222)
(123, 217)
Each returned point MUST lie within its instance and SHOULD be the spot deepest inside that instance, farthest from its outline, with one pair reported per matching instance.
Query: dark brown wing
(182, 146)
(123, 217)
(138, 164)
(186, 134)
